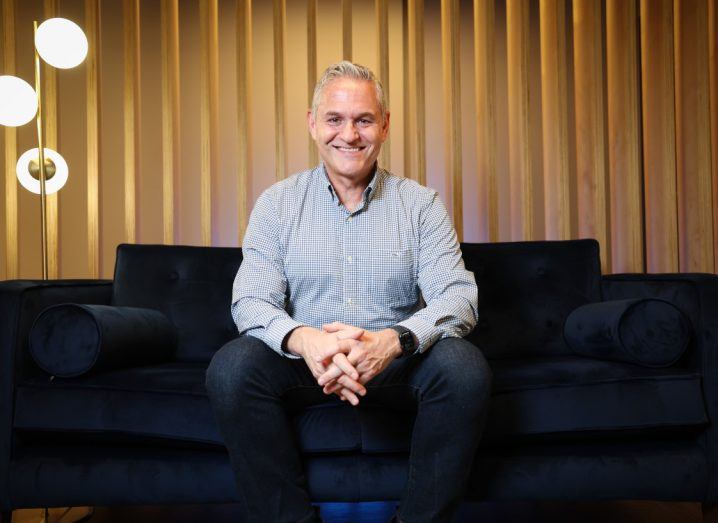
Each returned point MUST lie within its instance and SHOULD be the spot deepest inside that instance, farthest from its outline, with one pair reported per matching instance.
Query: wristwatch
(406, 340)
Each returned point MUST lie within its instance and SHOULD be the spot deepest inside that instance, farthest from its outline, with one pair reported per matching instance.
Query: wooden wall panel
(209, 85)
(452, 116)
(659, 159)
(577, 162)
(347, 30)
(280, 117)
(170, 117)
(415, 136)
(131, 104)
(713, 105)
(92, 24)
(382, 29)
(693, 142)
(244, 115)
(11, 151)
(311, 69)
(591, 175)
(49, 76)
(554, 98)
(624, 138)
(484, 86)
(520, 169)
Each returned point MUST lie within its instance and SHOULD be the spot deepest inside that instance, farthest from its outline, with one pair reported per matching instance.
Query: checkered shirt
(394, 260)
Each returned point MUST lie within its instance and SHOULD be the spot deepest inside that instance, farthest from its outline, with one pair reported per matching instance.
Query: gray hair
(346, 69)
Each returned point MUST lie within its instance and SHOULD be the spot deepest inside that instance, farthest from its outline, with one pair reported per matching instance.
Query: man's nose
(349, 132)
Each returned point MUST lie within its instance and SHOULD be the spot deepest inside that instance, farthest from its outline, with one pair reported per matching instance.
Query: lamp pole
(41, 159)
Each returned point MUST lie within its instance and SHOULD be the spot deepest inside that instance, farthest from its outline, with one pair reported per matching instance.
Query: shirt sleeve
(449, 290)
(259, 293)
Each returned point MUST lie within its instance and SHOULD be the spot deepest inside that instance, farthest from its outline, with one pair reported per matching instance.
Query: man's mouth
(347, 149)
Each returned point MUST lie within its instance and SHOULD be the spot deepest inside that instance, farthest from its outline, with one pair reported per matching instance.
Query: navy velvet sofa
(561, 426)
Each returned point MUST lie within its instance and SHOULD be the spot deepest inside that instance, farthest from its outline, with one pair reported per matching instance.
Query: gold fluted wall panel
(533, 119)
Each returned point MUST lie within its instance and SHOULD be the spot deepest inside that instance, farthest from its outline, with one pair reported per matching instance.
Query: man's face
(348, 128)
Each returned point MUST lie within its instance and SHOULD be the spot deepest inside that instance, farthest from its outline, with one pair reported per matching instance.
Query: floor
(380, 512)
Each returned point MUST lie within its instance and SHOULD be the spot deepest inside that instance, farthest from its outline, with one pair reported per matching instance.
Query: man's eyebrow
(361, 115)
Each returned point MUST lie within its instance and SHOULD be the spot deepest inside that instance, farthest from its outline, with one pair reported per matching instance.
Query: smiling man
(352, 287)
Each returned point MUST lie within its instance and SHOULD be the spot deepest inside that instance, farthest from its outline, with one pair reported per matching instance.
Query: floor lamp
(61, 44)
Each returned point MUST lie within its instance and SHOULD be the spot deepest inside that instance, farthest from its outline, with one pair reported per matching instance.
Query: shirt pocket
(393, 278)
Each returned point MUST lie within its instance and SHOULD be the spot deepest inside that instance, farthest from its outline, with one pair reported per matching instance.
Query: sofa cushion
(526, 291)
(649, 332)
(192, 286)
(71, 339)
(564, 397)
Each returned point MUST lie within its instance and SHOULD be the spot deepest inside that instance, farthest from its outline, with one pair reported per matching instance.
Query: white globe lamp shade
(54, 183)
(61, 43)
(18, 101)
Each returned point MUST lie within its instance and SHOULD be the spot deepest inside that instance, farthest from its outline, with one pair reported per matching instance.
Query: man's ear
(311, 124)
(385, 126)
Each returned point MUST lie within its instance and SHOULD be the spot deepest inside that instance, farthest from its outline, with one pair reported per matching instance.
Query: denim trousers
(253, 390)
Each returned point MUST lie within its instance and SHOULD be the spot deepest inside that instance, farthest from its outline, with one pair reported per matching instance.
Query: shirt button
(350, 218)
(349, 301)
(349, 259)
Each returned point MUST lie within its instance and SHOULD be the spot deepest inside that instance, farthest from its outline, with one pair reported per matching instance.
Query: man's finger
(349, 396)
(341, 361)
(332, 372)
(334, 326)
(351, 384)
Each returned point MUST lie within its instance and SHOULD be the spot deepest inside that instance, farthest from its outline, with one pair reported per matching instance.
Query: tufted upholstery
(191, 285)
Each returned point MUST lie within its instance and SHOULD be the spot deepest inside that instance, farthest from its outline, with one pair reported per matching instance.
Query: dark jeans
(250, 385)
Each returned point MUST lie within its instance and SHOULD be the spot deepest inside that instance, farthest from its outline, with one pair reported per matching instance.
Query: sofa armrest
(696, 295)
(20, 303)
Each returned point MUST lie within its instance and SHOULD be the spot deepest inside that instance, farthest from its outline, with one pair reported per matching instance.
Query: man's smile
(347, 149)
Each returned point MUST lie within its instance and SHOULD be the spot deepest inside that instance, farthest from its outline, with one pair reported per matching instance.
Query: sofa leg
(710, 512)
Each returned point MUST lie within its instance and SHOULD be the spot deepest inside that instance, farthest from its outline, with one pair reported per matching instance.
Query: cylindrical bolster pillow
(69, 340)
(648, 332)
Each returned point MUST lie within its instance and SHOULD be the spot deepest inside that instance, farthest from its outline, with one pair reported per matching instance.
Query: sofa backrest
(192, 286)
(526, 291)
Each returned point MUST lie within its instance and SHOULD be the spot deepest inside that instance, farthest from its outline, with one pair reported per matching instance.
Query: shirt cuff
(277, 331)
(425, 333)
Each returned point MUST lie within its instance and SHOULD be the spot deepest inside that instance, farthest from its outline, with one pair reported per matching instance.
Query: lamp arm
(41, 159)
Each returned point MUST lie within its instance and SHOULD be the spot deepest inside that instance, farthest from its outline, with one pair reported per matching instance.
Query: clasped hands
(343, 358)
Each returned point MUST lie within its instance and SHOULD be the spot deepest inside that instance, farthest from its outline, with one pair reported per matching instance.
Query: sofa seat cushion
(580, 397)
(166, 401)
(568, 397)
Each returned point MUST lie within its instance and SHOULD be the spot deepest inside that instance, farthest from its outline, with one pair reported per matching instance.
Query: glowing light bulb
(54, 182)
(61, 43)
(18, 101)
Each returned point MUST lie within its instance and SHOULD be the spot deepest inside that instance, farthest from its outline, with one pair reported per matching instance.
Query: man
(328, 302)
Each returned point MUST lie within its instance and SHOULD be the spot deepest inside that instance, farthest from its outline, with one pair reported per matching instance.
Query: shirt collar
(369, 192)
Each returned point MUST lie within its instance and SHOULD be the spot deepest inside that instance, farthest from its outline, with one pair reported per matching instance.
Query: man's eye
(334, 120)
(364, 121)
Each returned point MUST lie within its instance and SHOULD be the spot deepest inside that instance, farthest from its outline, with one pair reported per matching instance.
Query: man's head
(348, 119)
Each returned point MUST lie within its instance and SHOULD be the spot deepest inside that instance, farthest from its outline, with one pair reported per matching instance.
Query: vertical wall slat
(713, 105)
(452, 106)
(311, 68)
(92, 30)
(416, 135)
(624, 139)
(520, 169)
(693, 143)
(382, 30)
(170, 116)
(280, 117)
(485, 81)
(131, 113)
(347, 30)
(209, 85)
(554, 103)
(10, 139)
(50, 118)
(659, 160)
(244, 105)
(590, 125)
